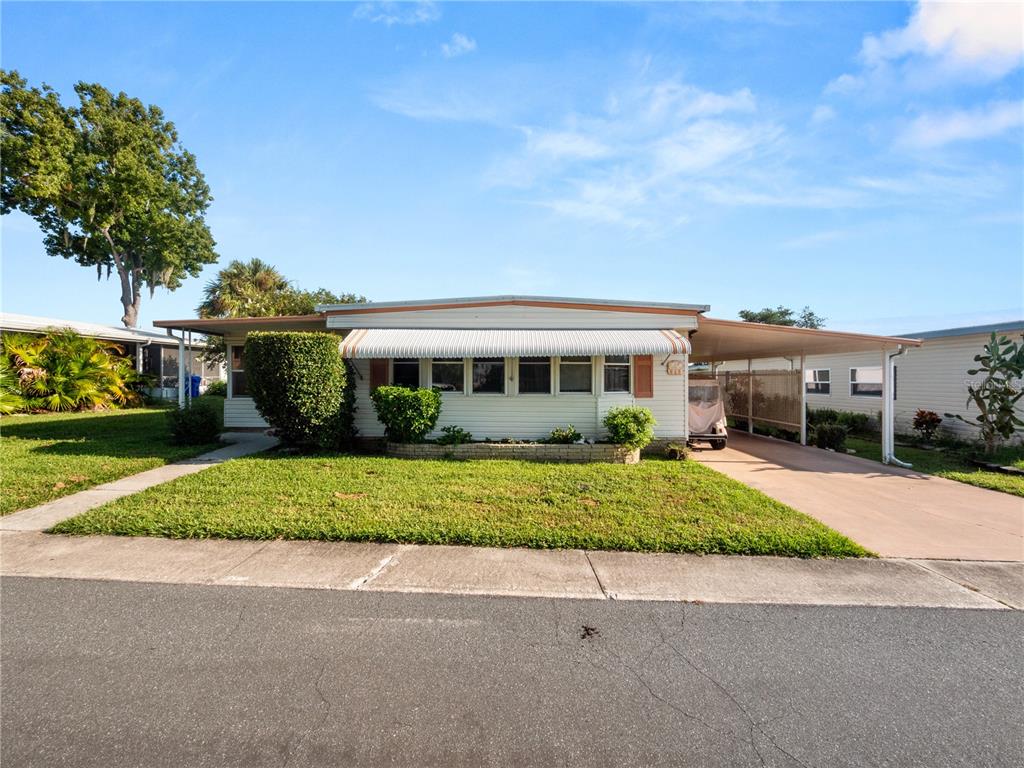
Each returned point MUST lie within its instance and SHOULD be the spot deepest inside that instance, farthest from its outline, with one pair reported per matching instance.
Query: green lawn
(658, 505)
(46, 456)
(952, 464)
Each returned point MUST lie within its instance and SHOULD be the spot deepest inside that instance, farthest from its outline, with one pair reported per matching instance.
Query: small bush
(217, 389)
(301, 386)
(630, 426)
(564, 435)
(830, 436)
(855, 423)
(408, 415)
(677, 452)
(926, 423)
(454, 436)
(197, 423)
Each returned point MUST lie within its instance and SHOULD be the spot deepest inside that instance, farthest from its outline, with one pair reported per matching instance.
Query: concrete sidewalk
(515, 572)
(47, 515)
(892, 511)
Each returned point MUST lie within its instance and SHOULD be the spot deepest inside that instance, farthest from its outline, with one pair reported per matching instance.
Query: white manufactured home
(932, 376)
(518, 366)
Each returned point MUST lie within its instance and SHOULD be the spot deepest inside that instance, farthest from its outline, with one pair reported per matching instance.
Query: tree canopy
(255, 288)
(783, 316)
(108, 183)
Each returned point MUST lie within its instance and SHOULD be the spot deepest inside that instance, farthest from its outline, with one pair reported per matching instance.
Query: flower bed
(573, 453)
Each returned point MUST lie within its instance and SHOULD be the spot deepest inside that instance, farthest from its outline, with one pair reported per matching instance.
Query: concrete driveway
(895, 512)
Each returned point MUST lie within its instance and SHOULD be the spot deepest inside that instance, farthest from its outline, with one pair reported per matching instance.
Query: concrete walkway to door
(895, 512)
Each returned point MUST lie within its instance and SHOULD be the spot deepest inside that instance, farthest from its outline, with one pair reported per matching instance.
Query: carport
(778, 396)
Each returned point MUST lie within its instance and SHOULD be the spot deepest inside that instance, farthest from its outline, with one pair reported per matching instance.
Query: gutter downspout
(889, 426)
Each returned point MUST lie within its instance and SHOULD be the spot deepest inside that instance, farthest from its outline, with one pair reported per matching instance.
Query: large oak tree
(108, 183)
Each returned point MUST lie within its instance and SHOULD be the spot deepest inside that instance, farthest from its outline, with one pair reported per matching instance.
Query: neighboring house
(517, 366)
(933, 377)
(154, 352)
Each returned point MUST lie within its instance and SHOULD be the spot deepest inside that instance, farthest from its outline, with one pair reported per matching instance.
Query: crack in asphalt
(754, 725)
(325, 703)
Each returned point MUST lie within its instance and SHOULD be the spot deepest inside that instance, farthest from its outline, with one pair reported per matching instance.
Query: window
(818, 381)
(489, 375)
(616, 373)
(405, 372)
(574, 374)
(866, 382)
(535, 375)
(446, 375)
(168, 366)
(239, 386)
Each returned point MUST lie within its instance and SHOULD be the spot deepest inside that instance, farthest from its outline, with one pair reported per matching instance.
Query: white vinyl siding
(530, 416)
(513, 317)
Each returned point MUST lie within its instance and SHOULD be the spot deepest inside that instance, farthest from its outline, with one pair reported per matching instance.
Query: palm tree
(245, 289)
(64, 371)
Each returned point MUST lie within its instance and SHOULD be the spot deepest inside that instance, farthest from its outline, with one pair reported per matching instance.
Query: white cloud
(935, 130)
(942, 41)
(402, 13)
(822, 114)
(564, 144)
(457, 46)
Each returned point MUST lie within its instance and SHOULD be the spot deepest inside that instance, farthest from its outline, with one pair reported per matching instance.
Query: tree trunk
(131, 289)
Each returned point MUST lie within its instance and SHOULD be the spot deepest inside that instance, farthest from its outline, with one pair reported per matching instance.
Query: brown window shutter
(378, 373)
(643, 376)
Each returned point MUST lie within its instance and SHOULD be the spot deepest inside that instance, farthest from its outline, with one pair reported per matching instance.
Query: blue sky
(863, 158)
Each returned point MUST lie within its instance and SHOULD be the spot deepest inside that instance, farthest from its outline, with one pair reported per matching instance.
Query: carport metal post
(803, 402)
(887, 432)
(750, 396)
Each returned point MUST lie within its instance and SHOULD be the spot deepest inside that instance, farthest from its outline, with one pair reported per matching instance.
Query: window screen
(616, 373)
(534, 375)
(574, 374)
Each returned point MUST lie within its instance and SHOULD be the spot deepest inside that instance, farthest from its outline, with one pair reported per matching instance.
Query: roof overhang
(452, 342)
(224, 326)
(722, 340)
(559, 302)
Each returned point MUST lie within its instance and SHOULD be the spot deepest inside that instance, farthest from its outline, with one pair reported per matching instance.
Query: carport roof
(722, 340)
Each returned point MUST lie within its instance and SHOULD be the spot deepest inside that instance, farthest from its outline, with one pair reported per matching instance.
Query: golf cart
(707, 413)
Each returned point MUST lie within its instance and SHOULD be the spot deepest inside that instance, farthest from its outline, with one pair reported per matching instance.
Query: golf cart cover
(706, 408)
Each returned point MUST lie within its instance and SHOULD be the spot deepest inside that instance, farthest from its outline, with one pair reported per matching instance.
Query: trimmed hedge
(408, 415)
(630, 425)
(301, 386)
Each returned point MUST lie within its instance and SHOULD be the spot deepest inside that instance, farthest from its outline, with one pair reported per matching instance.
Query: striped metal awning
(365, 343)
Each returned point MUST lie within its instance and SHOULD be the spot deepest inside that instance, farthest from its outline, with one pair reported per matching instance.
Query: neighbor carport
(778, 397)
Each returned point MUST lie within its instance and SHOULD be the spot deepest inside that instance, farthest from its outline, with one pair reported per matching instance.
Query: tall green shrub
(630, 426)
(408, 415)
(300, 385)
(1001, 364)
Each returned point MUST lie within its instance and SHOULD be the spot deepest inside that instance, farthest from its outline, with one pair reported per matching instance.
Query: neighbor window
(616, 373)
(818, 381)
(405, 372)
(866, 382)
(168, 366)
(239, 385)
(489, 375)
(574, 374)
(446, 374)
(535, 375)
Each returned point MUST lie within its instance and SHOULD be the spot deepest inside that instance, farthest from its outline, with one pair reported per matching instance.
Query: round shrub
(564, 436)
(217, 389)
(301, 387)
(197, 423)
(408, 415)
(830, 436)
(630, 426)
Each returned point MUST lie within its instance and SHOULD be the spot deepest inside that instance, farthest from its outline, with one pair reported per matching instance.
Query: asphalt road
(119, 674)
